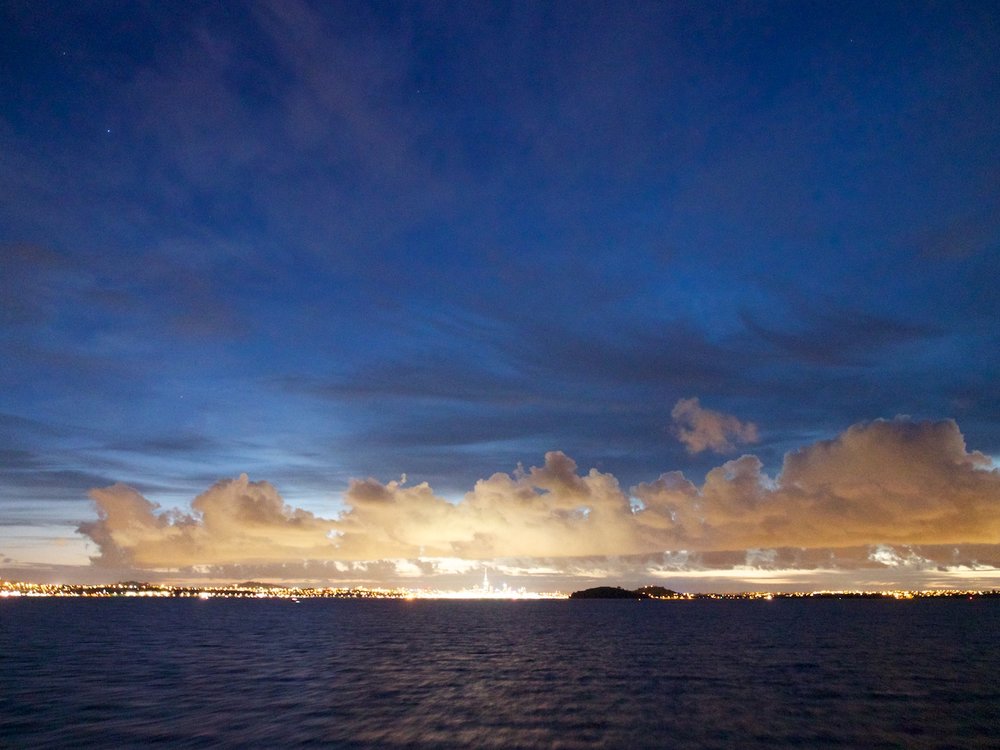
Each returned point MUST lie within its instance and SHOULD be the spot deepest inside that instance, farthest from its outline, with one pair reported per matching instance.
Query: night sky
(698, 294)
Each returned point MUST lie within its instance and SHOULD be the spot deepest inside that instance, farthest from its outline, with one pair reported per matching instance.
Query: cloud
(837, 335)
(878, 488)
(702, 429)
(233, 521)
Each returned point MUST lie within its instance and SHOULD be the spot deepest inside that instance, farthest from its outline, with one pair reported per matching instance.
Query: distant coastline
(660, 593)
(260, 590)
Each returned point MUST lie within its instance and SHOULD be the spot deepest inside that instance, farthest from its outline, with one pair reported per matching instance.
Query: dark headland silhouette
(616, 592)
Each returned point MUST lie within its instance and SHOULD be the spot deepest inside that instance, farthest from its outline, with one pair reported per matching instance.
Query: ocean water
(552, 674)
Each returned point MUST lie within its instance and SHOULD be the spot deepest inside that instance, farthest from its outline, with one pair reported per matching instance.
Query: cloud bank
(874, 488)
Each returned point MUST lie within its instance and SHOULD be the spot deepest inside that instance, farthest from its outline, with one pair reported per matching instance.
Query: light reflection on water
(552, 674)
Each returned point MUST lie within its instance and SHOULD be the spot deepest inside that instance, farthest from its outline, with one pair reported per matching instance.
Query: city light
(484, 591)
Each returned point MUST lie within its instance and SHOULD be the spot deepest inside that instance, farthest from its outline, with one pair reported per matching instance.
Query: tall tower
(486, 580)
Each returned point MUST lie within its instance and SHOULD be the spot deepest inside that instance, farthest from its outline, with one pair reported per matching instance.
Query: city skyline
(694, 295)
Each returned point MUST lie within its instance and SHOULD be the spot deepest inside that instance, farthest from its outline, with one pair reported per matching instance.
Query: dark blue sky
(312, 242)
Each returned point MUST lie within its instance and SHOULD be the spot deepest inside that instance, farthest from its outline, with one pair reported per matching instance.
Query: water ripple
(563, 674)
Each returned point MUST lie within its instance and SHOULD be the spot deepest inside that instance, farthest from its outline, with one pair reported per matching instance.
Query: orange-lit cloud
(233, 521)
(704, 429)
(897, 482)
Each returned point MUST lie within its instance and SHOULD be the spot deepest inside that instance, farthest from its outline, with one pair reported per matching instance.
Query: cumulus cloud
(233, 521)
(880, 488)
(704, 429)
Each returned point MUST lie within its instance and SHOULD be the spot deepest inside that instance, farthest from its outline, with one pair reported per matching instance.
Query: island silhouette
(616, 592)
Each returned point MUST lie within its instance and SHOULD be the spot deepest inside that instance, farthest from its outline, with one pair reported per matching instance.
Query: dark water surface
(557, 674)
